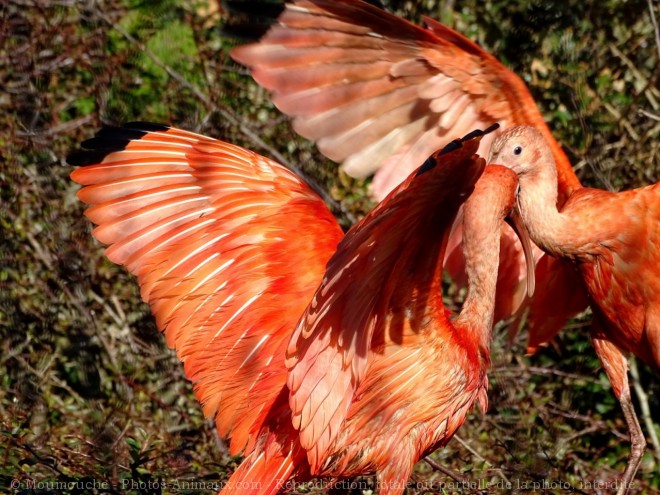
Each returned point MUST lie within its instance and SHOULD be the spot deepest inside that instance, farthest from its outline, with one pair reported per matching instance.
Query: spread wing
(385, 277)
(380, 94)
(228, 248)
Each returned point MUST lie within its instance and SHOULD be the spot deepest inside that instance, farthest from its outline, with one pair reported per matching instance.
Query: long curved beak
(515, 221)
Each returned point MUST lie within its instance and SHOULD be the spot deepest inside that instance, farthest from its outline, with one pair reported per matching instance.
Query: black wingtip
(477, 133)
(270, 9)
(86, 157)
(111, 139)
(249, 20)
(145, 126)
(453, 146)
(428, 164)
(492, 128)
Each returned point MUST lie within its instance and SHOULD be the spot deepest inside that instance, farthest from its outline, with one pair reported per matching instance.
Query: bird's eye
(517, 150)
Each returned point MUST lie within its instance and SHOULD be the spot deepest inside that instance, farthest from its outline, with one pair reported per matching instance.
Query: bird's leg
(643, 400)
(637, 441)
(616, 367)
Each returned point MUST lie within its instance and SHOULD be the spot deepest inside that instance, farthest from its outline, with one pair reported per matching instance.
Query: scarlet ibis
(614, 241)
(380, 94)
(317, 355)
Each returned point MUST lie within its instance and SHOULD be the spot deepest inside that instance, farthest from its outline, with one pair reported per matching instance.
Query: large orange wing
(228, 248)
(380, 94)
(384, 277)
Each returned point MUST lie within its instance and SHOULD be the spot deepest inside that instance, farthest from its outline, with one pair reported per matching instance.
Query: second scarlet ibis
(614, 241)
(312, 370)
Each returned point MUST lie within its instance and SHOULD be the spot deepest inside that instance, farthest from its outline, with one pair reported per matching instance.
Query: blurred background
(89, 391)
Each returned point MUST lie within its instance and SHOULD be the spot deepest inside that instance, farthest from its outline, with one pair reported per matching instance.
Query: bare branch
(439, 467)
(649, 114)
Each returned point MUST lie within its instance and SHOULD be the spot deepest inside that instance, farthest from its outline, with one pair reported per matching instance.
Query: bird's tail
(267, 471)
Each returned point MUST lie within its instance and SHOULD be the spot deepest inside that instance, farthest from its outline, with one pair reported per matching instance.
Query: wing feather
(328, 58)
(228, 248)
(403, 238)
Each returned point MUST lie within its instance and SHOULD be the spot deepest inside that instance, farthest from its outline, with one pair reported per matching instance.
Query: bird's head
(522, 149)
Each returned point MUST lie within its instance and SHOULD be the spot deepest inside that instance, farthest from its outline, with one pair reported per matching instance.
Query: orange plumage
(380, 94)
(230, 249)
(217, 237)
(613, 239)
